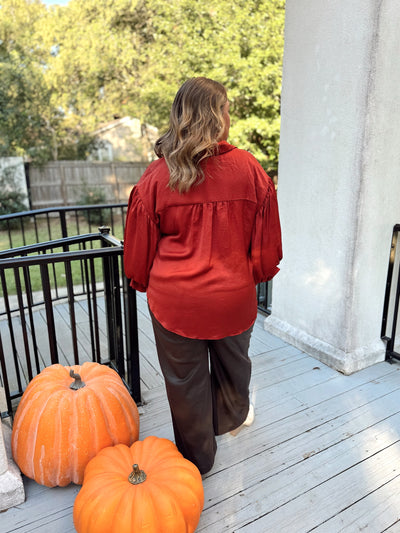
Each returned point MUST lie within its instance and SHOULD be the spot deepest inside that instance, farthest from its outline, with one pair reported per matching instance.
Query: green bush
(94, 196)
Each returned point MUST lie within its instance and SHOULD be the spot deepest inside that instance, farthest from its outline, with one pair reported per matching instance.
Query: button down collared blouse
(199, 254)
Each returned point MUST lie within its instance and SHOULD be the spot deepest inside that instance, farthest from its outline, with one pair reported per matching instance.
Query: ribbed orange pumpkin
(67, 415)
(148, 487)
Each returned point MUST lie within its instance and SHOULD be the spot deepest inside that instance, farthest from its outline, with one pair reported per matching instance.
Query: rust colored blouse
(200, 254)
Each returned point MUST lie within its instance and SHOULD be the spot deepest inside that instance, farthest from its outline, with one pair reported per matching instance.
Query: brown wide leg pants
(207, 384)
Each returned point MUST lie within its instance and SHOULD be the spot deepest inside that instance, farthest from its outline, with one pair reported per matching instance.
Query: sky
(55, 2)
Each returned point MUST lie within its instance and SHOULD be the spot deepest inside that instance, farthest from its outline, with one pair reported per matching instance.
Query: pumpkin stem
(78, 383)
(137, 476)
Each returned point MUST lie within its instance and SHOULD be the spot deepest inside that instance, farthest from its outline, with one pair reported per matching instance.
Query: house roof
(114, 124)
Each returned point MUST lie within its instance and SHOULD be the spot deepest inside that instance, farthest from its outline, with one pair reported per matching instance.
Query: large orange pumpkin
(67, 415)
(148, 487)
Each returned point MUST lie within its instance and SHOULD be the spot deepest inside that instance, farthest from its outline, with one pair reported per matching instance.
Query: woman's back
(207, 257)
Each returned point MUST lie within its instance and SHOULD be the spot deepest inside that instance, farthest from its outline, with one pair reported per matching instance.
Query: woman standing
(202, 230)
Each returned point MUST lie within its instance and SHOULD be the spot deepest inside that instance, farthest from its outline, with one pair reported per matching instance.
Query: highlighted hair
(195, 127)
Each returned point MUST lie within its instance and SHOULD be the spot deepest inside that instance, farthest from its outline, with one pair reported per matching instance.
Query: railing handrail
(44, 211)
(58, 257)
(48, 224)
(56, 243)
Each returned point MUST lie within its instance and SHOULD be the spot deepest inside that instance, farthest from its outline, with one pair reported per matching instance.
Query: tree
(90, 61)
(27, 121)
(32, 121)
(238, 43)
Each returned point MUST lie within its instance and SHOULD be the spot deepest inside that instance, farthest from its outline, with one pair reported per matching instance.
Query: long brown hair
(195, 127)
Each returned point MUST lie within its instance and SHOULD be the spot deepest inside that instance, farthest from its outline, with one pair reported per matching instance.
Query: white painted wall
(339, 177)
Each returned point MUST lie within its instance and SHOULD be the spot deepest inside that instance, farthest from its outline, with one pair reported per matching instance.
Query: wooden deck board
(312, 462)
(323, 454)
(295, 505)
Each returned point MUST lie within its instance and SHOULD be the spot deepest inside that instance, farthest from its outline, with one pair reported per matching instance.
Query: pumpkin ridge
(25, 458)
(45, 457)
(84, 433)
(74, 467)
(59, 441)
(169, 455)
(95, 396)
(166, 497)
(90, 433)
(34, 388)
(157, 451)
(125, 511)
(112, 420)
(183, 491)
(87, 513)
(103, 463)
(148, 509)
(95, 371)
(117, 432)
(137, 456)
(131, 421)
(94, 440)
(190, 494)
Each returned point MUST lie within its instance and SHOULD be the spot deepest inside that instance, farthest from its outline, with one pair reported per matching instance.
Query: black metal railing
(264, 297)
(95, 321)
(391, 301)
(39, 225)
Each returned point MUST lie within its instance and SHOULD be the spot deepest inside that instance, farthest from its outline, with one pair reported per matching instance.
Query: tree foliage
(90, 61)
(25, 119)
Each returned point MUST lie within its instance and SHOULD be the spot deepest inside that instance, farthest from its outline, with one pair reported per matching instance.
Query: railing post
(6, 388)
(112, 304)
(44, 273)
(389, 282)
(24, 327)
(117, 315)
(12, 337)
(132, 341)
(391, 342)
(63, 223)
(391, 337)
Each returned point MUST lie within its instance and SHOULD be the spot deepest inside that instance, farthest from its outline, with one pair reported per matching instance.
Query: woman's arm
(140, 242)
(266, 242)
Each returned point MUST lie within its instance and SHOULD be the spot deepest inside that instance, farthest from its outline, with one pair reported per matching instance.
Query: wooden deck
(323, 454)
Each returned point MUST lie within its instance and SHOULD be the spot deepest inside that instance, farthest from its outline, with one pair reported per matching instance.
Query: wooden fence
(66, 182)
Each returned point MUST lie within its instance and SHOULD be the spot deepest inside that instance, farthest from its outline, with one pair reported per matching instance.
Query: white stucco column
(339, 177)
(11, 487)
